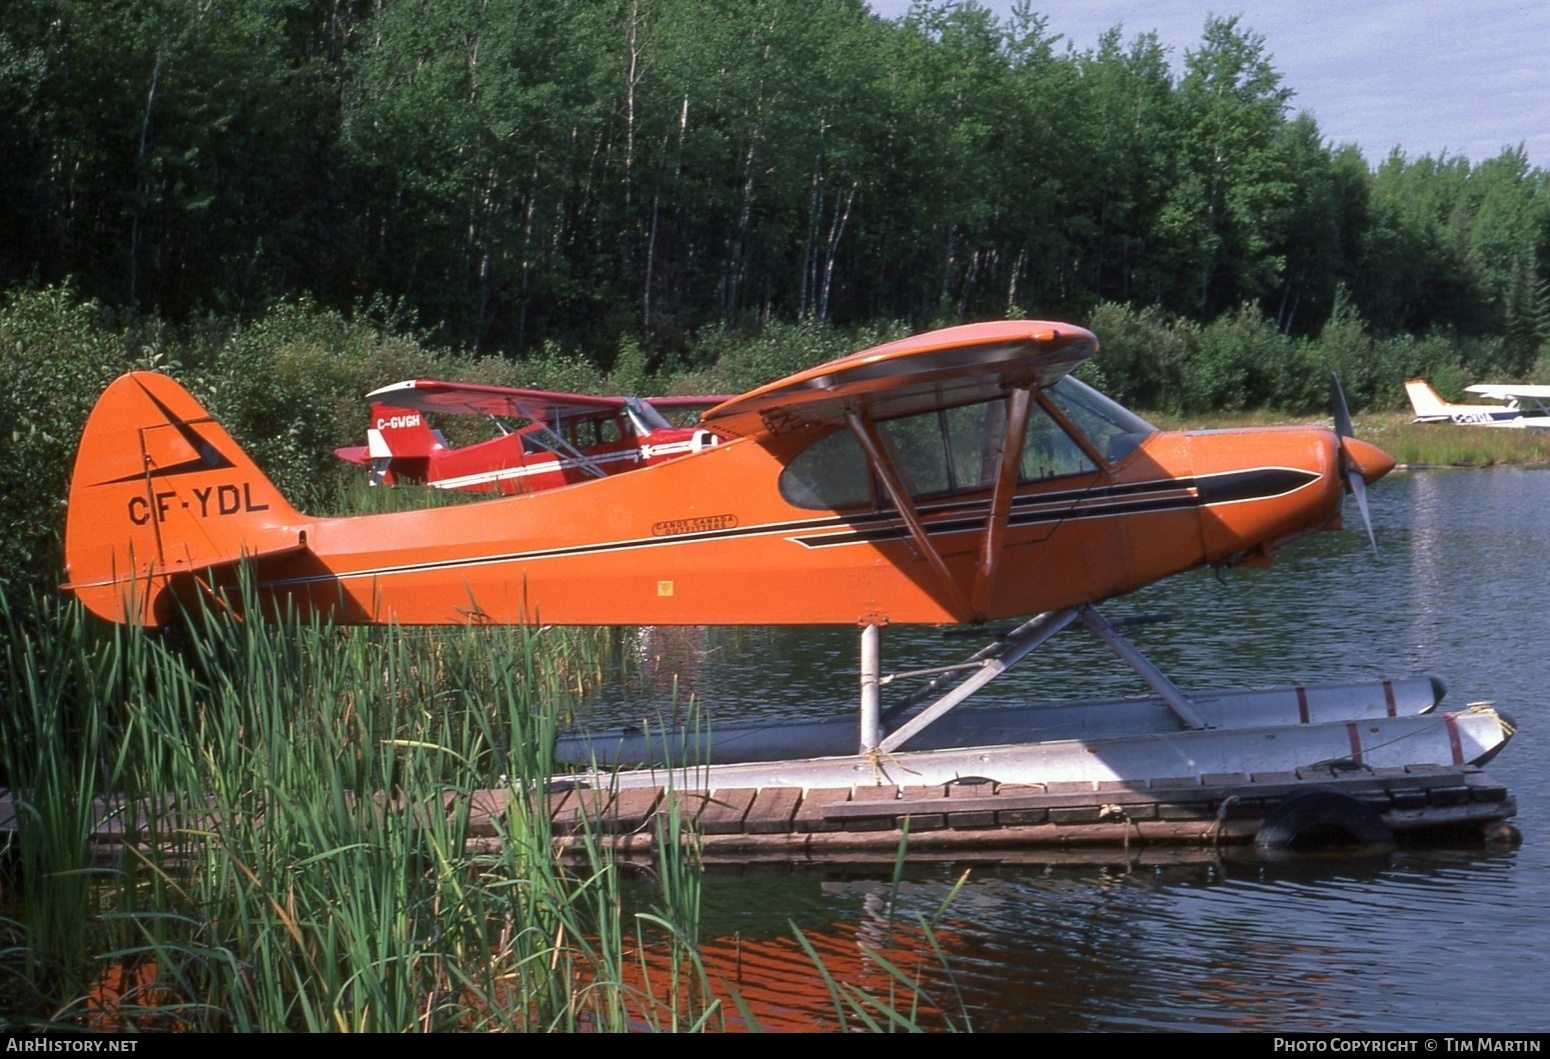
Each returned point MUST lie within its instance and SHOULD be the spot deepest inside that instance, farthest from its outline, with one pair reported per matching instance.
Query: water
(1443, 940)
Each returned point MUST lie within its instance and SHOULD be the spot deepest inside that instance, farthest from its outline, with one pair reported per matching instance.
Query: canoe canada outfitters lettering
(674, 527)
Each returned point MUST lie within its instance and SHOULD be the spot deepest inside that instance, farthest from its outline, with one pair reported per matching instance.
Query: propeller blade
(1350, 472)
(1358, 488)
(1342, 411)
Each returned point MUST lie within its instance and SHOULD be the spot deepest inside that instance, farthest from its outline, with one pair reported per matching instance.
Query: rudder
(160, 489)
(1425, 401)
(399, 446)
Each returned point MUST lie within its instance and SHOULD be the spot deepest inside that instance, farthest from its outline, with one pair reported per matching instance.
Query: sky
(1426, 76)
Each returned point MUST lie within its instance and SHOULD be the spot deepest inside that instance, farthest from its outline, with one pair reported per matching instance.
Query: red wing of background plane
(466, 398)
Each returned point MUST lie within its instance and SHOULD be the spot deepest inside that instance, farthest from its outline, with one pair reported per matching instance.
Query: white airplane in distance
(1525, 406)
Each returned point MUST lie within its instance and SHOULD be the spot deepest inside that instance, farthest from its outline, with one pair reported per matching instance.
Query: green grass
(307, 865)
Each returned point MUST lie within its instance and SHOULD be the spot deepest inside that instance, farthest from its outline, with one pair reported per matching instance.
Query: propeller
(1351, 470)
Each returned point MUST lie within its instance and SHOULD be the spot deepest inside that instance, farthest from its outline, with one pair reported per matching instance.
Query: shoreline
(1414, 446)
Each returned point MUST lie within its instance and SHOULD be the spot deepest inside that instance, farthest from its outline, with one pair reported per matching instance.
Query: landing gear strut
(984, 666)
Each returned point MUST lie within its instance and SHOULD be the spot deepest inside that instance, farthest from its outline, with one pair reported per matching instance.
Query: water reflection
(1234, 944)
(1420, 940)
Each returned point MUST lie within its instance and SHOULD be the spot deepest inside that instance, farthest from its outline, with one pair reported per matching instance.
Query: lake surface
(1425, 940)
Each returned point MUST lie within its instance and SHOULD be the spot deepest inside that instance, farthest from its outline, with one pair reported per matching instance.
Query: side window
(974, 442)
(919, 451)
(532, 440)
(608, 431)
(1049, 452)
(949, 449)
(941, 451)
(828, 475)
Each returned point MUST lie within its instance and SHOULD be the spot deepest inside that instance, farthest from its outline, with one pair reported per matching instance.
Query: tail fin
(1428, 406)
(160, 489)
(399, 444)
(400, 432)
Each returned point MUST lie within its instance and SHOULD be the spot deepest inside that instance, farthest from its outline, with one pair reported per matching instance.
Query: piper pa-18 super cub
(1525, 406)
(960, 476)
(545, 439)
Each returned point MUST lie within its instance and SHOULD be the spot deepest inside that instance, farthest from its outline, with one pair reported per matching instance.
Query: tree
(1233, 194)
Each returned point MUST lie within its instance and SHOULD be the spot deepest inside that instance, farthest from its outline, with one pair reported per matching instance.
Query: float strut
(871, 689)
(1156, 678)
(1010, 651)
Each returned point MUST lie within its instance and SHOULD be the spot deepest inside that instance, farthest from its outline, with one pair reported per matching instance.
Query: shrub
(1142, 353)
(58, 355)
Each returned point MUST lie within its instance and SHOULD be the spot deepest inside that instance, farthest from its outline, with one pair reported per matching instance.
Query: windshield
(1113, 429)
(643, 417)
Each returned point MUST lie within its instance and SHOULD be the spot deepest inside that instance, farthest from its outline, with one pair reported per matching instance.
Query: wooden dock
(976, 820)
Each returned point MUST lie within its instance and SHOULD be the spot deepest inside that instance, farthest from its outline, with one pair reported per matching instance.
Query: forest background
(290, 202)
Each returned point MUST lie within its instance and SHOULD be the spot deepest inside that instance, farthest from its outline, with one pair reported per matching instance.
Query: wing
(466, 398)
(954, 366)
(675, 404)
(685, 410)
(1510, 391)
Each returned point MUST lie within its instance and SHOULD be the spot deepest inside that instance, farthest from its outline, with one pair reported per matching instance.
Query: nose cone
(1369, 461)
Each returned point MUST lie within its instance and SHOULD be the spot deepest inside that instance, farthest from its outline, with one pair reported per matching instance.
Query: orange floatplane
(960, 476)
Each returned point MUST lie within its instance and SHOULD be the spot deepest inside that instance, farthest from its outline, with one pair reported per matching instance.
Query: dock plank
(811, 814)
(726, 809)
(773, 811)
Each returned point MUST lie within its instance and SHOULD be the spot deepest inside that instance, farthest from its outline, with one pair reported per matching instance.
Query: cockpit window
(1113, 429)
(918, 445)
(828, 475)
(643, 417)
(949, 450)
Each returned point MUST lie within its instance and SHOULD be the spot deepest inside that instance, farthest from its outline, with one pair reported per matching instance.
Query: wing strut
(551, 439)
(866, 433)
(1008, 463)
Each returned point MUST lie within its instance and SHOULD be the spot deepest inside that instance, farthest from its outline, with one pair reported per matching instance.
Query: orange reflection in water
(847, 977)
(127, 997)
(870, 975)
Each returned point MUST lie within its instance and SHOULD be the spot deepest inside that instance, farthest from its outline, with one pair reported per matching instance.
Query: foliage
(526, 176)
(58, 353)
(739, 362)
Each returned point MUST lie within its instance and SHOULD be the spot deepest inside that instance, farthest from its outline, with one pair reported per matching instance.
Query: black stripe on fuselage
(1102, 502)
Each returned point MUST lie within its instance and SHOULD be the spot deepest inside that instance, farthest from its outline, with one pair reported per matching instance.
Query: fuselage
(709, 539)
(402, 448)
